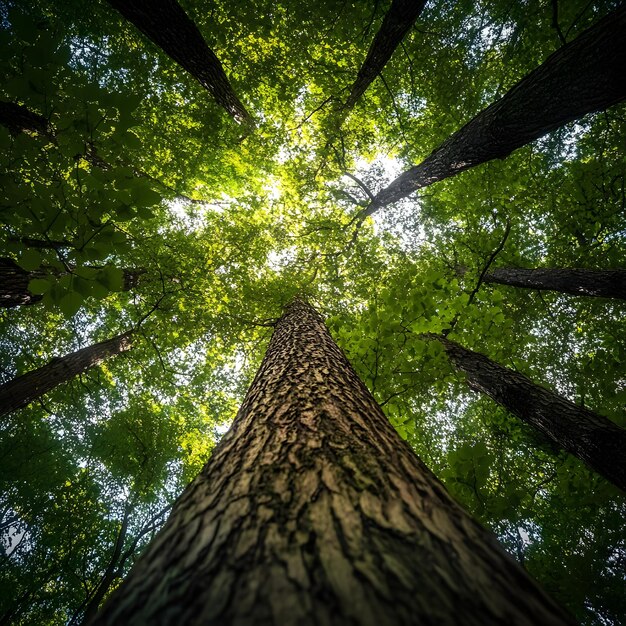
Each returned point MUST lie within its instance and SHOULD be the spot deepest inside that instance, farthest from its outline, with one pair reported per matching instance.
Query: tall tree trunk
(396, 24)
(22, 390)
(169, 27)
(312, 510)
(594, 439)
(14, 279)
(583, 76)
(578, 282)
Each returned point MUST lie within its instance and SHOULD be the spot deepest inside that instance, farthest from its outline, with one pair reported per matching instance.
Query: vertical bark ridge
(312, 511)
(578, 282)
(596, 440)
(581, 77)
(22, 390)
(397, 22)
(167, 25)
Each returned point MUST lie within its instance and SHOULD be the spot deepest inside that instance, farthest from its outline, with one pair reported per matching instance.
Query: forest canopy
(155, 223)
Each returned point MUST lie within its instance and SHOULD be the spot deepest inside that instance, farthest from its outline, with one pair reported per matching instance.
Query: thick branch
(18, 118)
(22, 390)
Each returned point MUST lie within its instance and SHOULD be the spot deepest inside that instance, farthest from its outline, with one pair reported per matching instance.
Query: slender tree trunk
(14, 284)
(312, 510)
(594, 439)
(110, 573)
(578, 282)
(166, 24)
(396, 24)
(22, 390)
(581, 77)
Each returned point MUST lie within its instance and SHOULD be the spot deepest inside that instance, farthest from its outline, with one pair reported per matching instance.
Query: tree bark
(14, 284)
(397, 22)
(167, 25)
(22, 390)
(312, 511)
(578, 282)
(581, 77)
(594, 439)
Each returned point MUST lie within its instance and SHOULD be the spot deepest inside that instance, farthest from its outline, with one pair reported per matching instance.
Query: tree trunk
(312, 510)
(167, 25)
(396, 24)
(22, 390)
(594, 439)
(581, 77)
(578, 282)
(14, 284)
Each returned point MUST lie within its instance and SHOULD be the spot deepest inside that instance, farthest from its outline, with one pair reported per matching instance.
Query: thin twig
(555, 21)
(361, 184)
(491, 259)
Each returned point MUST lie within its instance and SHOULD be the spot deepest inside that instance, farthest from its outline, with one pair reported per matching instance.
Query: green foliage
(138, 203)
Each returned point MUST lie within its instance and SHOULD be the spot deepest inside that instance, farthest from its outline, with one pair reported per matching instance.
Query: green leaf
(112, 278)
(98, 290)
(39, 286)
(70, 303)
(30, 260)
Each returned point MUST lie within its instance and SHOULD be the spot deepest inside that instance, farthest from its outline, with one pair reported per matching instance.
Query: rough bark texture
(594, 439)
(578, 282)
(14, 284)
(18, 118)
(169, 27)
(313, 511)
(22, 390)
(396, 24)
(581, 77)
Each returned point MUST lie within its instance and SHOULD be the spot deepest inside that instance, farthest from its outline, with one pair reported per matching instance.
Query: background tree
(597, 441)
(578, 282)
(397, 22)
(166, 23)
